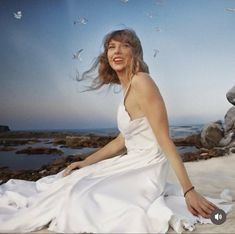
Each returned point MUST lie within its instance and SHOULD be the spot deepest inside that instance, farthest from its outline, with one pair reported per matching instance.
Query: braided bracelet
(188, 190)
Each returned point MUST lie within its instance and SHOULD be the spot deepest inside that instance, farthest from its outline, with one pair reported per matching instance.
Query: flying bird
(230, 10)
(151, 15)
(156, 51)
(81, 20)
(77, 55)
(18, 15)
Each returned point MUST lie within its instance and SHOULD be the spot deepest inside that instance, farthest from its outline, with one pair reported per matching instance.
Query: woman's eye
(126, 45)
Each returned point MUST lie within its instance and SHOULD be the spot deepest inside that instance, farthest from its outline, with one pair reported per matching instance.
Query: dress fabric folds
(128, 193)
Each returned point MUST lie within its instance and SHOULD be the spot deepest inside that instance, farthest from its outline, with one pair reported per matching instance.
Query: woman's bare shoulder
(143, 81)
(141, 75)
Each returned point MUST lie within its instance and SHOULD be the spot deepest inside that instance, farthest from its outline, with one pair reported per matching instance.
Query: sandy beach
(210, 178)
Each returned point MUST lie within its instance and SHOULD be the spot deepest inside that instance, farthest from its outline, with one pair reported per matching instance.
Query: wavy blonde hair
(106, 75)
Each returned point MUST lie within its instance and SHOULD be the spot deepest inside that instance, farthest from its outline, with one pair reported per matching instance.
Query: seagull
(230, 10)
(81, 20)
(78, 55)
(150, 14)
(18, 15)
(156, 51)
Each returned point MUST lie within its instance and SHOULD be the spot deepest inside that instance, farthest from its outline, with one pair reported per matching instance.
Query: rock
(91, 141)
(189, 156)
(59, 161)
(45, 170)
(212, 134)
(218, 151)
(59, 141)
(40, 150)
(231, 95)
(232, 150)
(7, 148)
(35, 134)
(199, 155)
(229, 121)
(227, 139)
(4, 128)
(193, 140)
(14, 142)
(77, 141)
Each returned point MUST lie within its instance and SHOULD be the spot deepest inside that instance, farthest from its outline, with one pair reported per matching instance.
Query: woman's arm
(109, 150)
(151, 103)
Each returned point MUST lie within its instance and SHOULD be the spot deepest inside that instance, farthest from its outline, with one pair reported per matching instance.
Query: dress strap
(127, 89)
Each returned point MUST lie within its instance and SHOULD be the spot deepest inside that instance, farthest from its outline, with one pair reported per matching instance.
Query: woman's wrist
(188, 190)
(85, 162)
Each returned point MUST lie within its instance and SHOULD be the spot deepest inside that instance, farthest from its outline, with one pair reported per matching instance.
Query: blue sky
(194, 68)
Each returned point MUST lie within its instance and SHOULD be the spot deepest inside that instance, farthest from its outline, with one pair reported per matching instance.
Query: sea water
(24, 161)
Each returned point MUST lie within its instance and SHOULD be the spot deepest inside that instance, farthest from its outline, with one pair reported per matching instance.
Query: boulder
(231, 95)
(192, 140)
(229, 121)
(190, 156)
(212, 134)
(227, 139)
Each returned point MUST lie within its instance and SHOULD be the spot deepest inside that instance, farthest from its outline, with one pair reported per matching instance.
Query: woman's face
(119, 55)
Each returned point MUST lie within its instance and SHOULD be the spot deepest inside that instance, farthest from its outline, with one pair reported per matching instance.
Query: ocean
(23, 161)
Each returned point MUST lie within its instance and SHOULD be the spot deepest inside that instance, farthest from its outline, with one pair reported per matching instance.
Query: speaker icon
(218, 216)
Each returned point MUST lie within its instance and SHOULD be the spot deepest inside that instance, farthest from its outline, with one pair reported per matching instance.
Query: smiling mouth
(118, 60)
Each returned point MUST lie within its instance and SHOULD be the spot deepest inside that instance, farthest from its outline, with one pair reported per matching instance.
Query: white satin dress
(124, 194)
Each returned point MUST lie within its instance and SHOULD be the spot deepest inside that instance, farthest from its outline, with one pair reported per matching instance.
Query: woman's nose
(117, 49)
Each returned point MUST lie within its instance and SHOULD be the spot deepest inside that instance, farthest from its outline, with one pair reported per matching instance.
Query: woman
(110, 191)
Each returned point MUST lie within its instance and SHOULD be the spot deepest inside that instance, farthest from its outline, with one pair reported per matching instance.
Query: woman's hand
(198, 205)
(73, 166)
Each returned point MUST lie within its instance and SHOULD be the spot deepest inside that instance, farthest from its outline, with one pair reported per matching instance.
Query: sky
(194, 65)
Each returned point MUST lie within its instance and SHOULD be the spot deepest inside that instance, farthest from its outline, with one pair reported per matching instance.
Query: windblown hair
(106, 75)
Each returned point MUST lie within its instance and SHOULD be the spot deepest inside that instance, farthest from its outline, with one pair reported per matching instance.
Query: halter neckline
(127, 89)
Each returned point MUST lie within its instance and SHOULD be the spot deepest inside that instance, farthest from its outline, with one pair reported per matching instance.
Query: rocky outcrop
(204, 154)
(212, 134)
(87, 141)
(231, 95)
(41, 150)
(7, 148)
(229, 121)
(215, 139)
(33, 175)
(4, 128)
(193, 140)
(59, 141)
(16, 142)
